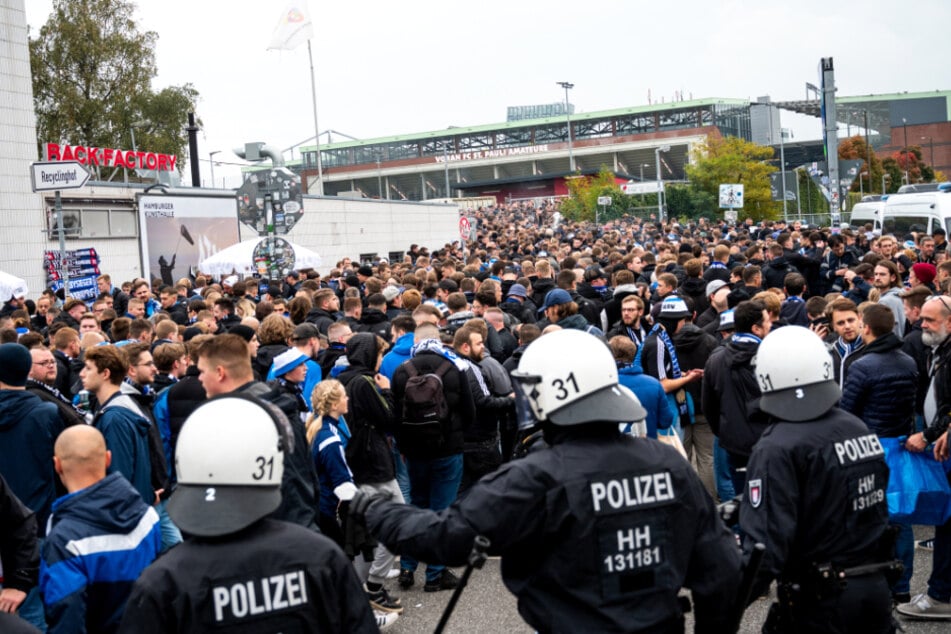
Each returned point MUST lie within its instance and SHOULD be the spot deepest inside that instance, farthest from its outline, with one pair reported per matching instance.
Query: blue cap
(555, 297)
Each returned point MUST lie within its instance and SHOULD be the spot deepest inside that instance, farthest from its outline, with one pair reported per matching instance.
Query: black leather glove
(353, 520)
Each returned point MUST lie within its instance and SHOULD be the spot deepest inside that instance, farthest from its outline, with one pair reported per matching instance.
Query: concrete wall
(22, 218)
(337, 227)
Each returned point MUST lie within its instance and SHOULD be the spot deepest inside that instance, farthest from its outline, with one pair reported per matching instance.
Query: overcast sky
(389, 68)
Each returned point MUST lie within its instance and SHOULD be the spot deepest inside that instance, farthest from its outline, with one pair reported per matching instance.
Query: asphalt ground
(486, 607)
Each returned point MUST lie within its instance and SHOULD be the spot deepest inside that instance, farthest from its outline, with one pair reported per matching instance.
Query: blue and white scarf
(434, 345)
(745, 337)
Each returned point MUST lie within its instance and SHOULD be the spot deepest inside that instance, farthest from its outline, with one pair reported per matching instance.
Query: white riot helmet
(795, 374)
(569, 377)
(230, 461)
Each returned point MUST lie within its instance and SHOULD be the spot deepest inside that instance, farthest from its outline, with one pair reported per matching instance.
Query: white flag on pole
(294, 27)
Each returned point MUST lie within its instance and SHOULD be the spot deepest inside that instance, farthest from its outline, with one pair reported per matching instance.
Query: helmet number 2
(265, 466)
(562, 386)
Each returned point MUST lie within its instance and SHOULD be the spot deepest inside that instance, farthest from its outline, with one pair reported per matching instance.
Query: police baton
(746, 585)
(476, 560)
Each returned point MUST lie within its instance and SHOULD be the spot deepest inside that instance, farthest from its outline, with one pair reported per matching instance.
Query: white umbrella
(239, 259)
(11, 286)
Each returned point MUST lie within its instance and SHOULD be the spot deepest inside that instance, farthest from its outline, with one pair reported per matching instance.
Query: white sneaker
(385, 619)
(923, 606)
(393, 573)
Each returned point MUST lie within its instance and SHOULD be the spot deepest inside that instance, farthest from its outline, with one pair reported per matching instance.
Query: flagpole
(313, 89)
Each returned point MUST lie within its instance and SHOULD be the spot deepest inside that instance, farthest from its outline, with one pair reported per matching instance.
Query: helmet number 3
(562, 385)
(265, 468)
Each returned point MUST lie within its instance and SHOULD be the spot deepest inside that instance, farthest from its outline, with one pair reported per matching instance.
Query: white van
(917, 212)
(867, 212)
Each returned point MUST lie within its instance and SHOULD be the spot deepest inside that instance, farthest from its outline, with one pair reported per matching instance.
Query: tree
(854, 148)
(734, 160)
(583, 194)
(689, 202)
(92, 72)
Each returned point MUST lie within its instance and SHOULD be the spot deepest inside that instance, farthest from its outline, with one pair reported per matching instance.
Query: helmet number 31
(562, 385)
(265, 468)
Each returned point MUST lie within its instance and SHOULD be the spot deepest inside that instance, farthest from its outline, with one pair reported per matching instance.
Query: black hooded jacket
(376, 322)
(696, 289)
(731, 396)
(321, 318)
(694, 347)
(261, 363)
(372, 414)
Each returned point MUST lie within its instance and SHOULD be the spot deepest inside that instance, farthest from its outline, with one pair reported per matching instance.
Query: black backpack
(425, 409)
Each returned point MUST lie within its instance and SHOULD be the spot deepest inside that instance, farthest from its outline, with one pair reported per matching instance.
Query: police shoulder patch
(756, 492)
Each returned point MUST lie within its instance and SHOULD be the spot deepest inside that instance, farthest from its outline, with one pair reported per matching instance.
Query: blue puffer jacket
(880, 388)
(28, 428)
(399, 353)
(101, 539)
(661, 413)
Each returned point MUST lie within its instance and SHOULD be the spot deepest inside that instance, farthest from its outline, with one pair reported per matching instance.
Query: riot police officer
(599, 531)
(238, 571)
(815, 495)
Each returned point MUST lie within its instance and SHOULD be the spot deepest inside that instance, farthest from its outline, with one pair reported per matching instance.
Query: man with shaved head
(102, 536)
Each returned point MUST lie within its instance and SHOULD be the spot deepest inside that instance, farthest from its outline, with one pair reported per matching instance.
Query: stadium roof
(524, 123)
(812, 106)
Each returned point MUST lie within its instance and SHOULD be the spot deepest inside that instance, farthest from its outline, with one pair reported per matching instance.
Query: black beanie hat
(15, 364)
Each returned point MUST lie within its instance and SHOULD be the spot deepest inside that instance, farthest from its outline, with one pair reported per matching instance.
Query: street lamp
(862, 185)
(571, 159)
(884, 176)
(211, 161)
(643, 165)
(660, 183)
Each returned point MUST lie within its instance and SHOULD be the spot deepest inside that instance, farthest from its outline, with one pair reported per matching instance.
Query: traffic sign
(465, 228)
(604, 200)
(56, 175)
(731, 196)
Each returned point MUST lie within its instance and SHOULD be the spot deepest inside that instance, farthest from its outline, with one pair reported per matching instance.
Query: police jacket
(28, 429)
(371, 417)
(458, 398)
(881, 387)
(815, 495)
(18, 552)
(730, 397)
(940, 372)
(271, 577)
(101, 539)
(596, 534)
